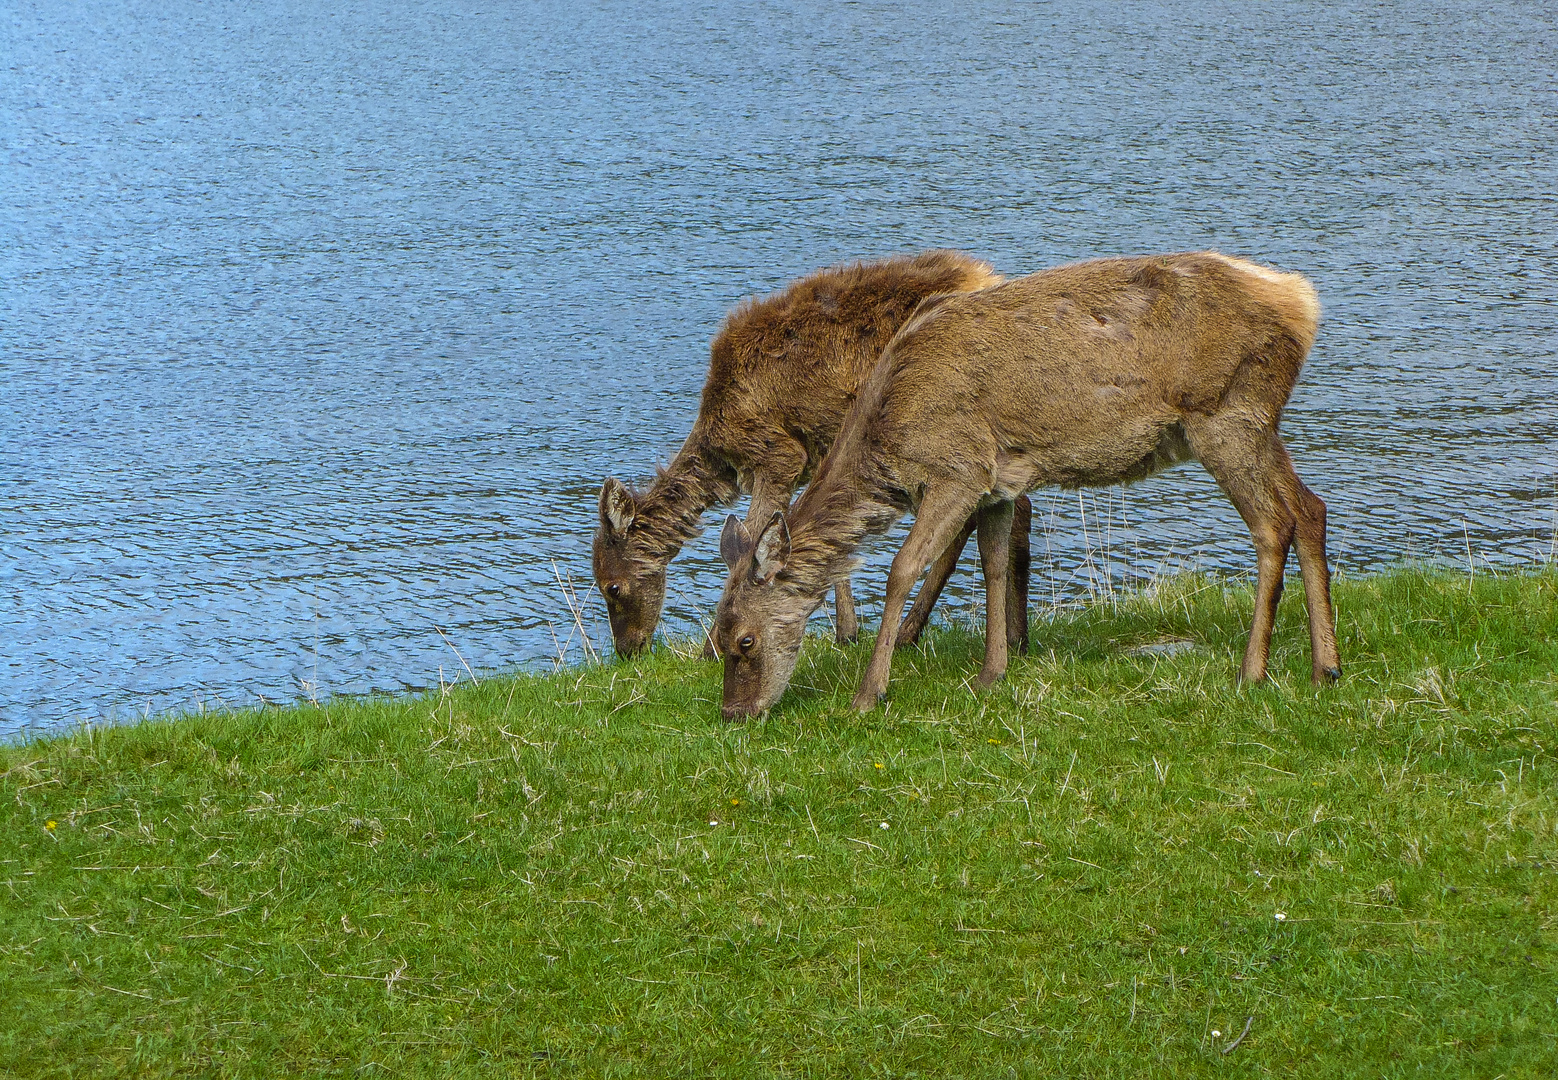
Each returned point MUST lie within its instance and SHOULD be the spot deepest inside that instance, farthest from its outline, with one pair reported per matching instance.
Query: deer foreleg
(1022, 559)
(941, 571)
(847, 627)
(995, 553)
(930, 589)
(769, 493)
(942, 513)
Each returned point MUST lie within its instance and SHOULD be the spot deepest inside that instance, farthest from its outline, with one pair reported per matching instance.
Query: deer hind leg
(995, 556)
(935, 580)
(847, 629)
(1309, 539)
(1248, 465)
(943, 512)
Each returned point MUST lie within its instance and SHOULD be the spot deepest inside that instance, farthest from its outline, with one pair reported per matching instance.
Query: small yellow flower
(879, 765)
(993, 742)
(50, 825)
(735, 802)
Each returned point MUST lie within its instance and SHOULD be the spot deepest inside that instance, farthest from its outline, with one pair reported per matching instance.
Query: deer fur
(782, 371)
(1096, 373)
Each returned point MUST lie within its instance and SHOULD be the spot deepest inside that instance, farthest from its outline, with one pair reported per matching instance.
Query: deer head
(633, 585)
(761, 619)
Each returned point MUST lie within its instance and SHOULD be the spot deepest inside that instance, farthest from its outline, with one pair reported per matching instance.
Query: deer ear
(734, 542)
(773, 549)
(616, 508)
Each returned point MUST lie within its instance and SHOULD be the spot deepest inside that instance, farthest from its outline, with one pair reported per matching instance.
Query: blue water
(319, 329)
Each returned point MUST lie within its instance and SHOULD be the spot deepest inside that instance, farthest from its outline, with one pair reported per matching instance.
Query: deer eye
(746, 642)
(613, 590)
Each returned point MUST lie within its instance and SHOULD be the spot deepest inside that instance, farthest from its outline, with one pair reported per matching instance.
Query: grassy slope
(1078, 874)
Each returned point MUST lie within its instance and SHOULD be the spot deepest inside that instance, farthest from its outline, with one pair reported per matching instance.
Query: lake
(319, 329)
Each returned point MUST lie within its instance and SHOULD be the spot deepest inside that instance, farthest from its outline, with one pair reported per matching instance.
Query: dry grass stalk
(564, 579)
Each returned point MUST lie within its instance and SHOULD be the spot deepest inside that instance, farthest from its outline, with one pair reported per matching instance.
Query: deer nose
(737, 712)
(631, 645)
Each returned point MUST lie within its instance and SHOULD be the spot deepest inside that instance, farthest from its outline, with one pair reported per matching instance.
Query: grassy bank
(1101, 868)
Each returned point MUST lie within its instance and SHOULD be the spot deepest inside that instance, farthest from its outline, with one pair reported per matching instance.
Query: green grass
(1086, 872)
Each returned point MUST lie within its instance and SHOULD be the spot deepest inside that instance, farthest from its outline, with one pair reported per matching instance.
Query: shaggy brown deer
(782, 371)
(1096, 373)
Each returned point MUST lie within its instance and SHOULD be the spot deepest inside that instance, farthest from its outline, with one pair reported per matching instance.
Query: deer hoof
(867, 699)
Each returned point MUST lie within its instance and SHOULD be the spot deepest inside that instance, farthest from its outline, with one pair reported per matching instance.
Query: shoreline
(684, 646)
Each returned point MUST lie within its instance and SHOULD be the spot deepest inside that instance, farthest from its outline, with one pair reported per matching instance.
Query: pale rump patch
(986, 280)
(1254, 269)
(1290, 294)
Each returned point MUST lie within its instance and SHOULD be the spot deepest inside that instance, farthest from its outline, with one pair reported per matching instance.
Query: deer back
(1084, 374)
(784, 368)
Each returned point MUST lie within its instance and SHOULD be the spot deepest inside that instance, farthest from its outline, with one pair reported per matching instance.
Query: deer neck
(834, 516)
(670, 512)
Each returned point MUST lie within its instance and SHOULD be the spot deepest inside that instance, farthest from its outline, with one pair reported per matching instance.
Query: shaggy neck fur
(670, 512)
(850, 499)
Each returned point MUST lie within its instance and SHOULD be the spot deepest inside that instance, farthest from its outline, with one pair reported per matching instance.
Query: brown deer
(1096, 373)
(782, 372)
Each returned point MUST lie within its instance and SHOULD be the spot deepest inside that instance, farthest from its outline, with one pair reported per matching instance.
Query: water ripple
(320, 328)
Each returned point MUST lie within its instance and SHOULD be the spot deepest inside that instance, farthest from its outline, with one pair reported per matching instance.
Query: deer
(783, 369)
(1089, 374)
